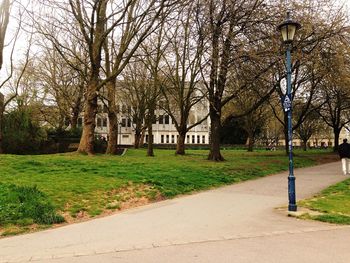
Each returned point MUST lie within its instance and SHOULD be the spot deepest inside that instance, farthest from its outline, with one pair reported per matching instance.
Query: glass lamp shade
(288, 29)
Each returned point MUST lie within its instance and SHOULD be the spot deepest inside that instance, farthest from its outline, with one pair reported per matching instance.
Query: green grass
(23, 206)
(80, 186)
(333, 203)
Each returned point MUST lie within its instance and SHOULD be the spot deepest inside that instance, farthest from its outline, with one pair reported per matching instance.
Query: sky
(22, 42)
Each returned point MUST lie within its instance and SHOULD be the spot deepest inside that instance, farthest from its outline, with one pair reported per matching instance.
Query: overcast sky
(22, 42)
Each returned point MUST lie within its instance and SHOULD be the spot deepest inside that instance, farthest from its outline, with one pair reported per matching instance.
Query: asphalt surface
(237, 223)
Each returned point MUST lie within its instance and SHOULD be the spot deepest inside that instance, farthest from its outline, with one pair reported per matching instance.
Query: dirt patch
(116, 200)
(329, 158)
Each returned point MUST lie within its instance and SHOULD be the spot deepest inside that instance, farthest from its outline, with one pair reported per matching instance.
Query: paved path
(237, 223)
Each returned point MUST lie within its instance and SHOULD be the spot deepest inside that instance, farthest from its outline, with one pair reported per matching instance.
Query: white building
(164, 131)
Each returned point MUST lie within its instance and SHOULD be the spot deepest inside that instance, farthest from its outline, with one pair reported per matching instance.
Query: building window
(123, 122)
(99, 108)
(188, 138)
(203, 139)
(167, 139)
(99, 122)
(154, 119)
(193, 139)
(162, 139)
(160, 119)
(80, 122)
(123, 109)
(166, 119)
(146, 138)
(104, 124)
(129, 122)
(172, 138)
(198, 139)
(105, 108)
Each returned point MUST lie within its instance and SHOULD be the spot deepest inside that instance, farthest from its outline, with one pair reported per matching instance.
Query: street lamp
(288, 29)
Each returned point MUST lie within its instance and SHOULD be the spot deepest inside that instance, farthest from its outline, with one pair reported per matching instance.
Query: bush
(100, 145)
(21, 135)
(59, 134)
(26, 205)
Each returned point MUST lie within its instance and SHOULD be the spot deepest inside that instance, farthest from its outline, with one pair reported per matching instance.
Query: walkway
(237, 223)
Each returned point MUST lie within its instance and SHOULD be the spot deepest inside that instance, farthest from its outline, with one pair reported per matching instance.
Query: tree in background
(15, 69)
(183, 59)
(233, 36)
(136, 21)
(21, 133)
(134, 91)
(308, 68)
(335, 112)
(4, 20)
(308, 128)
(64, 82)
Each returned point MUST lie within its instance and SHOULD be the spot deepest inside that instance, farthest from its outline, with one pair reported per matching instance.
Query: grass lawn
(78, 187)
(333, 204)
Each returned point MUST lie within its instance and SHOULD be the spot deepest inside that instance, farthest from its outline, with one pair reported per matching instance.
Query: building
(164, 131)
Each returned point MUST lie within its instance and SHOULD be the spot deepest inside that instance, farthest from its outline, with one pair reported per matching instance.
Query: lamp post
(288, 29)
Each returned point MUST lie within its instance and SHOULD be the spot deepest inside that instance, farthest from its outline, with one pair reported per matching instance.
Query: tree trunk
(74, 117)
(305, 145)
(1, 119)
(138, 134)
(180, 146)
(215, 129)
(142, 138)
(112, 145)
(137, 140)
(250, 142)
(150, 151)
(86, 144)
(336, 138)
(77, 108)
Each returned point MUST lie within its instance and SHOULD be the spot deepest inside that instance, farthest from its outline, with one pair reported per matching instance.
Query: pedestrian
(344, 154)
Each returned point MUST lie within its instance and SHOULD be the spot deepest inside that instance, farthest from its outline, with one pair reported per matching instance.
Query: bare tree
(309, 127)
(308, 68)
(63, 83)
(153, 53)
(4, 21)
(138, 20)
(232, 30)
(5, 8)
(335, 89)
(97, 21)
(253, 119)
(183, 63)
(134, 91)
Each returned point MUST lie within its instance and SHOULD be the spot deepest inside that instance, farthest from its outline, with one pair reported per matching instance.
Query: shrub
(21, 135)
(65, 134)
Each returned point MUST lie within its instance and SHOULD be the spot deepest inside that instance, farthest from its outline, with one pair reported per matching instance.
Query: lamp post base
(292, 205)
(292, 208)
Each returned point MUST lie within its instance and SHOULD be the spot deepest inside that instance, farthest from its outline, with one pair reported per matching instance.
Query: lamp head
(288, 29)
